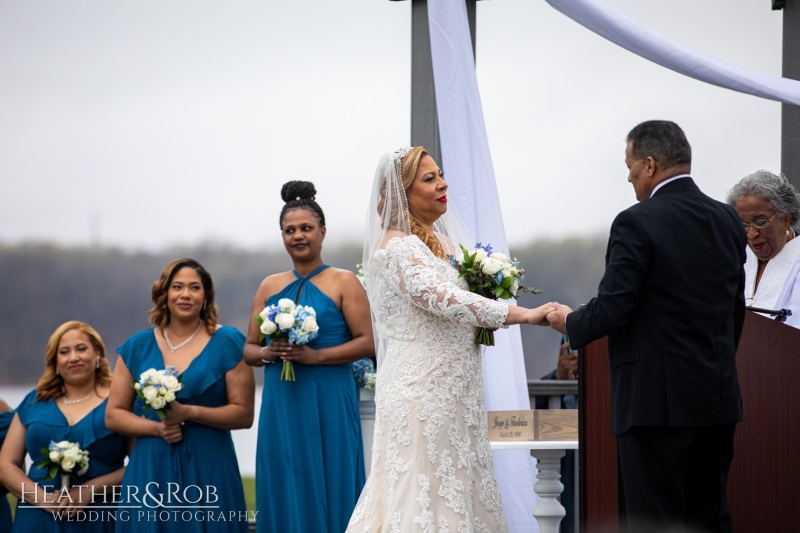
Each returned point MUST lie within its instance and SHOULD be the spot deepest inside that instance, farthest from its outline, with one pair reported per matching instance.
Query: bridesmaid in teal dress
(310, 456)
(69, 403)
(6, 415)
(183, 474)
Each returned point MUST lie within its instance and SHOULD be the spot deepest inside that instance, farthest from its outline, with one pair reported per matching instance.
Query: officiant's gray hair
(774, 188)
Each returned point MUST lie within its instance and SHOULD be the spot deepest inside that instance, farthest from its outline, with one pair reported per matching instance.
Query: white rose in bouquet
(67, 465)
(286, 305)
(150, 393)
(284, 321)
(54, 456)
(503, 258)
(268, 327)
(171, 383)
(72, 453)
(310, 324)
(491, 266)
(480, 255)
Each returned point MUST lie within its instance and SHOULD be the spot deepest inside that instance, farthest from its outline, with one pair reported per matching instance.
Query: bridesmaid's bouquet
(64, 458)
(158, 388)
(360, 273)
(298, 323)
(492, 275)
(363, 369)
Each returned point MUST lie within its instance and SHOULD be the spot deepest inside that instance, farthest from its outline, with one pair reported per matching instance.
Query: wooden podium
(766, 464)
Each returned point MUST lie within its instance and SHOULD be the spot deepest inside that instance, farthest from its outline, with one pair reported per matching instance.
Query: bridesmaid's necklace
(79, 400)
(173, 348)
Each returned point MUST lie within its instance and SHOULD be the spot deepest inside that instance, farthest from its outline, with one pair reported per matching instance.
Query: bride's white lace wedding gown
(431, 462)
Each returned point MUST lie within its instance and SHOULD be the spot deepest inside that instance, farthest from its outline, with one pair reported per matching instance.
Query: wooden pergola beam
(424, 118)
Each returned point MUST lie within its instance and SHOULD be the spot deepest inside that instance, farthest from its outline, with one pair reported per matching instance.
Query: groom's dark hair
(662, 140)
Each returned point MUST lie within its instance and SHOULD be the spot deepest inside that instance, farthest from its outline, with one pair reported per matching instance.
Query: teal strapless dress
(310, 456)
(44, 422)
(194, 485)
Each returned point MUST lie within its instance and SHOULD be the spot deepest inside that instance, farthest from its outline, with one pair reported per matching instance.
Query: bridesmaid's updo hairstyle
(159, 314)
(300, 195)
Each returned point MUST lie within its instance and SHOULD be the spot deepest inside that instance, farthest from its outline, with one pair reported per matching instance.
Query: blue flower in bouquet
(492, 275)
(361, 369)
(297, 323)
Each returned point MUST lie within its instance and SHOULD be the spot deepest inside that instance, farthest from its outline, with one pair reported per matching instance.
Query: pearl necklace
(79, 400)
(184, 343)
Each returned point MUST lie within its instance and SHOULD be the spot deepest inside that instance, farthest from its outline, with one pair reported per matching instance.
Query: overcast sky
(150, 124)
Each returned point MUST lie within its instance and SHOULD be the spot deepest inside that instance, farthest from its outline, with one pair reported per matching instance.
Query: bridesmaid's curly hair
(408, 172)
(300, 195)
(159, 314)
(51, 384)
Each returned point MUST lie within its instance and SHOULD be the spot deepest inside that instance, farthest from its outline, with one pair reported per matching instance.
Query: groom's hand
(558, 318)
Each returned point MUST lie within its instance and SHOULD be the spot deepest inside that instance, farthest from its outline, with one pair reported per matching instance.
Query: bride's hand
(538, 315)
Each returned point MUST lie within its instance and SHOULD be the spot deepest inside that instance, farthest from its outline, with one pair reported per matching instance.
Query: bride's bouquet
(298, 323)
(64, 458)
(158, 388)
(492, 275)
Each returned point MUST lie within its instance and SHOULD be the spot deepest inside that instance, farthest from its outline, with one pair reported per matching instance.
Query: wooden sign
(511, 425)
(539, 424)
(555, 424)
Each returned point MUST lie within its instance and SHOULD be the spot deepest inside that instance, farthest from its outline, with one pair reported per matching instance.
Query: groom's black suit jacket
(672, 304)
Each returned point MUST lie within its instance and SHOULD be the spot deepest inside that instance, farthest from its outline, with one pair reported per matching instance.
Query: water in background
(243, 439)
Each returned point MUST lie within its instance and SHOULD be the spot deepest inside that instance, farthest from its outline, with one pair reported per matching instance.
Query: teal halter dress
(310, 456)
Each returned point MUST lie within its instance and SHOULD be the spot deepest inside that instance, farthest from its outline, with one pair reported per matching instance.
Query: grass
(249, 493)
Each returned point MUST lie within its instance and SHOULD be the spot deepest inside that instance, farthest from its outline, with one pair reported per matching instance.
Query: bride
(431, 463)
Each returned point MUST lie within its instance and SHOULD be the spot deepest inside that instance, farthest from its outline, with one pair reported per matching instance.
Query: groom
(671, 302)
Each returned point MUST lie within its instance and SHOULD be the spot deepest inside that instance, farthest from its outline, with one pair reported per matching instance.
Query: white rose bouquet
(298, 323)
(64, 458)
(158, 388)
(492, 275)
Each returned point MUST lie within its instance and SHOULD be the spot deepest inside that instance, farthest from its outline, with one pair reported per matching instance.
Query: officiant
(769, 207)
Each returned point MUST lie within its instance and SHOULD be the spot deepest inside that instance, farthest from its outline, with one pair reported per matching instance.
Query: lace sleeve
(419, 279)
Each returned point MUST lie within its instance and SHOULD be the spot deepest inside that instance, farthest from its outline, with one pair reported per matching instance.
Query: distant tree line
(42, 286)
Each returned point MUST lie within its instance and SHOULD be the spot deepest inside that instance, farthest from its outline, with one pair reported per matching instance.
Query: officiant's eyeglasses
(758, 224)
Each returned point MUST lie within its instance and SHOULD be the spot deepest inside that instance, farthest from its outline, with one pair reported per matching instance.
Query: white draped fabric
(467, 164)
(629, 34)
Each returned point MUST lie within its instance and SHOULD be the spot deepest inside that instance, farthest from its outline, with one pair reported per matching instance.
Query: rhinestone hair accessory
(397, 160)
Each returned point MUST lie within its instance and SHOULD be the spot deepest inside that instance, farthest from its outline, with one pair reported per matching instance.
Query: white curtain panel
(467, 165)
